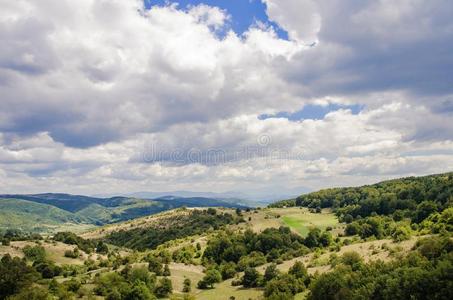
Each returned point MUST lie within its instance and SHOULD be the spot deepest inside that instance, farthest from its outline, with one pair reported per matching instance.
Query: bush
(271, 272)
(164, 288)
(166, 271)
(102, 248)
(352, 259)
(154, 265)
(228, 270)
(187, 286)
(401, 233)
(35, 253)
(251, 278)
(212, 276)
(352, 229)
(72, 253)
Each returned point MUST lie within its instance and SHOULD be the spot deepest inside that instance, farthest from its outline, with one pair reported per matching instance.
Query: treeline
(413, 198)
(9, 235)
(88, 246)
(180, 226)
(426, 273)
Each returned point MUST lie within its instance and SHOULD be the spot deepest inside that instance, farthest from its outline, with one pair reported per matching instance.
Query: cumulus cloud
(107, 96)
(301, 19)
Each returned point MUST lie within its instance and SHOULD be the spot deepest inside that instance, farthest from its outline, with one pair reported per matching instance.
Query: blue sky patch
(312, 111)
(244, 13)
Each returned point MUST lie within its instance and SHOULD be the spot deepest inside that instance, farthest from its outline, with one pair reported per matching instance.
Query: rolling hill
(50, 212)
(27, 215)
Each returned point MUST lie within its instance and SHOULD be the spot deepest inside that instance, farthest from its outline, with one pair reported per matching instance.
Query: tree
(312, 239)
(271, 272)
(36, 293)
(164, 288)
(35, 253)
(331, 286)
(372, 226)
(352, 259)
(212, 276)
(187, 286)
(348, 218)
(298, 270)
(326, 239)
(251, 278)
(113, 295)
(228, 270)
(140, 291)
(154, 265)
(212, 211)
(15, 275)
(283, 287)
(352, 229)
(141, 274)
(47, 269)
(102, 248)
(166, 271)
(424, 209)
(401, 233)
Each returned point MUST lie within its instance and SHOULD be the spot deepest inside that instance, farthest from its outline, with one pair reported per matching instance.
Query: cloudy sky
(116, 96)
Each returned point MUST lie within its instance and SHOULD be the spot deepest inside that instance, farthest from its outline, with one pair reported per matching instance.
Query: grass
(54, 252)
(224, 290)
(298, 219)
(179, 272)
(301, 220)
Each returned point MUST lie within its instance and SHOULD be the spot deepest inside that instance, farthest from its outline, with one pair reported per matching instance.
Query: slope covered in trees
(413, 197)
(177, 226)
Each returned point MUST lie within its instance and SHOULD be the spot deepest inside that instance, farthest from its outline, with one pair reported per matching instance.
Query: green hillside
(30, 216)
(412, 197)
(51, 212)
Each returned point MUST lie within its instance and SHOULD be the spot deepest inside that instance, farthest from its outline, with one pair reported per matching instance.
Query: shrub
(212, 276)
(187, 286)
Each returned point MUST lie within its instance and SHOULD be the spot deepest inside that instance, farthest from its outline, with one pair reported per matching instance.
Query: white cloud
(211, 16)
(89, 86)
(300, 18)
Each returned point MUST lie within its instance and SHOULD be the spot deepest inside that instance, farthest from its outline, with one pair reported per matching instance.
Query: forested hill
(50, 212)
(412, 197)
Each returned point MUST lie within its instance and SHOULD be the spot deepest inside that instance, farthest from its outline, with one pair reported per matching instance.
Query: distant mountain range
(255, 197)
(50, 212)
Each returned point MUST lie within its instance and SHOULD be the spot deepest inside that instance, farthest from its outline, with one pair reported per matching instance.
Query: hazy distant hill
(35, 212)
(258, 197)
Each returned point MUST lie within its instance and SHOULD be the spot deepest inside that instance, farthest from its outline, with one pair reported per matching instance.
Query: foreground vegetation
(392, 240)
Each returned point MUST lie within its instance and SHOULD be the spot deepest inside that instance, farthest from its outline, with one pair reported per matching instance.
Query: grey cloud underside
(361, 51)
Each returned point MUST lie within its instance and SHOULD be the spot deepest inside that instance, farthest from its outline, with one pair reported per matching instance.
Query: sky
(122, 96)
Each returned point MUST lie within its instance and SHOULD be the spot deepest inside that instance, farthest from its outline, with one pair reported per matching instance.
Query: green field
(301, 220)
(224, 290)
